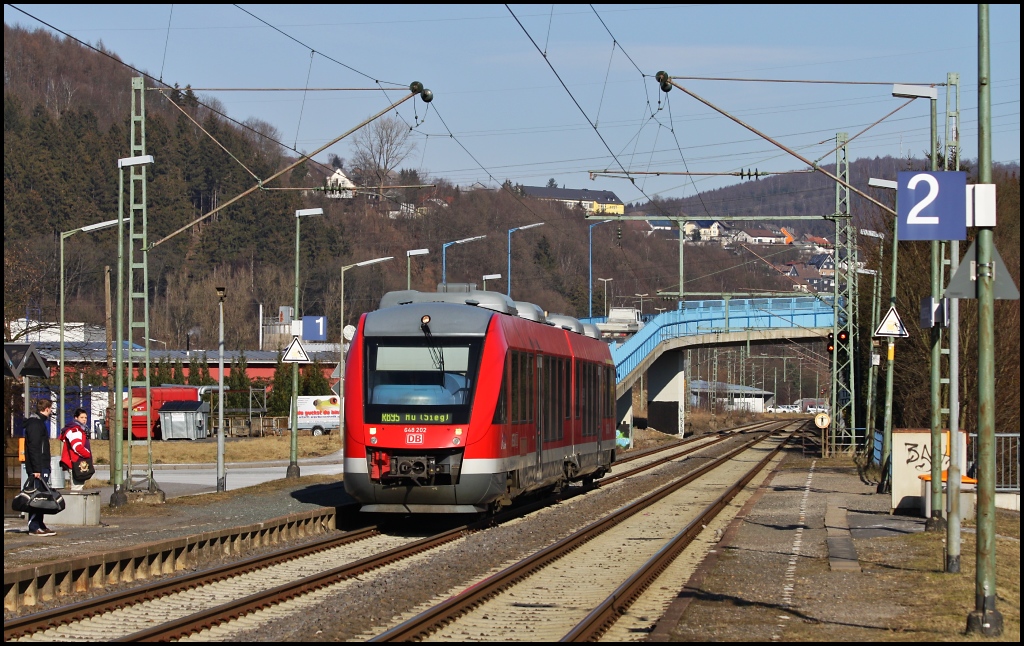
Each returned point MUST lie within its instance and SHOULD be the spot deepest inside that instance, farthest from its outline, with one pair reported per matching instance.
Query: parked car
(814, 410)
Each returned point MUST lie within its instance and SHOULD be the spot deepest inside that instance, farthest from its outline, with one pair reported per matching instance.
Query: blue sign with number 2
(932, 205)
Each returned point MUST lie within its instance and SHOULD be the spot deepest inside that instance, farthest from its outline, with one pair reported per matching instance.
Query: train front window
(409, 382)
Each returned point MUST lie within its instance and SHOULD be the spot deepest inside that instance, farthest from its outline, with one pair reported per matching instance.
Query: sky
(530, 93)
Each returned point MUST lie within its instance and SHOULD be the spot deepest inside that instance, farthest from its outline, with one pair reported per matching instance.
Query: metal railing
(709, 317)
(1007, 461)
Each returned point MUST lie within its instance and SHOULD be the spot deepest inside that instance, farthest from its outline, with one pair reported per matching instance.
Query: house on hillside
(708, 230)
(824, 263)
(590, 201)
(806, 278)
(664, 228)
(822, 243)
(759, 236)
(402, 210)
(339, 186)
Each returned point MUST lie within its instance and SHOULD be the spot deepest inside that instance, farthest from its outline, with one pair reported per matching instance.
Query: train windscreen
(416, 383)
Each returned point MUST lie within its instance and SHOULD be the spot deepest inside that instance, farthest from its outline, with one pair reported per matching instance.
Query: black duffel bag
(38, 497)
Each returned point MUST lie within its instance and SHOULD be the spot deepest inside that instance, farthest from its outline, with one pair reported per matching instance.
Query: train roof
(495, 301)
(485, 300)
(446, 319)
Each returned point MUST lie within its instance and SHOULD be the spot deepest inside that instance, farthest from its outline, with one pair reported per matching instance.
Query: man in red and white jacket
(75, 440)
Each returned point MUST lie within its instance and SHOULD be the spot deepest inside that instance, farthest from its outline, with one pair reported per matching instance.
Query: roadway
(191, 479)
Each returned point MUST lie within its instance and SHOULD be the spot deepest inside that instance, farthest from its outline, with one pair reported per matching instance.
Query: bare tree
(380, 148)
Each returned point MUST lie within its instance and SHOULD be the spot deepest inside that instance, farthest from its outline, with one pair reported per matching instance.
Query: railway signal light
(618, 233)
(844, 336)
(831, 343)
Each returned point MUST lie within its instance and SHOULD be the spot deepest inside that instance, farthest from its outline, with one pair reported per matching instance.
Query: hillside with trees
(66, 124)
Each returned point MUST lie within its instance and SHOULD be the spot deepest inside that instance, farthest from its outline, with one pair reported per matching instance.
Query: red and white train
(460, 402)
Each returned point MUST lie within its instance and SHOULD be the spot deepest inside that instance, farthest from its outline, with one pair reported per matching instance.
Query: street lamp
(873, 369)
(119, 496)
(488, 277)
(606, 281)
(341, 339)
(293, 460)
(444, 255)
(936, 521)
(590, 264)
(509, 273)
(408, 270)
(641, 296)
(64, 236)
(159, 341)
(886, 479)
(221, 475)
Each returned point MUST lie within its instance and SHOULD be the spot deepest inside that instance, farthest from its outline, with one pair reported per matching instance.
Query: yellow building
(591, 202)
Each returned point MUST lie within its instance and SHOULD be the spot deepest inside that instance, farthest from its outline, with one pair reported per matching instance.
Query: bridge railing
(706, 317)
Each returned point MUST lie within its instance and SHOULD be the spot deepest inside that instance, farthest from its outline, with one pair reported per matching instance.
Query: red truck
(159, 395)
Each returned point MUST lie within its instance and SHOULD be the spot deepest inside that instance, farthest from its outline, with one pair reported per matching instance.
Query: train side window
(531, 390)
(516, 389)
(578, 388)
(566, 388)
(501, 409)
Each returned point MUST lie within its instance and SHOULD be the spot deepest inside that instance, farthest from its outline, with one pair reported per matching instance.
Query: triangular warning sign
(892, 325)
(295, 353)
(963, 284)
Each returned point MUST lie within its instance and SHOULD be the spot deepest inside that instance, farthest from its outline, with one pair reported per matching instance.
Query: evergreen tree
(204, 373)
(178, 375)
(279, 400)
(238, 383)
(195, 372)
(312, 380)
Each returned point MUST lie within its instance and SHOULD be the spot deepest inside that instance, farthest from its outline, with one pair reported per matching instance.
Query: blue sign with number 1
(314, 328)
(932, 205)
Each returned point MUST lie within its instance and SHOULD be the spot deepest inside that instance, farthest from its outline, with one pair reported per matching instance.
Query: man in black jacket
(37, 458)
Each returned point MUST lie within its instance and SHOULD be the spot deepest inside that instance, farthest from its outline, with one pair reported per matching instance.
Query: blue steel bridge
(654, 355)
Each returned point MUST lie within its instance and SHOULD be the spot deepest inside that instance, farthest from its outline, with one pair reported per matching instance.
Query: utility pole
(936, 522)
(985, 619)
(955, 455)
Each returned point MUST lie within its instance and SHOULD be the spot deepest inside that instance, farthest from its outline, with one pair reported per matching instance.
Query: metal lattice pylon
(139, 477)
(842, 430)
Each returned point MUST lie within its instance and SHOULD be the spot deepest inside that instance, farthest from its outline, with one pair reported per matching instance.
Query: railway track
(284, 581)
(546, 596)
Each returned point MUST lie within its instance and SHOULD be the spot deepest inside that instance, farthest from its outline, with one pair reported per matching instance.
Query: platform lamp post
(293, 457)
(222, 481)
(873, 369)
(606, 281)
(488, 277)
(885, 482)
(508, 275)
(641, 297)
(444, 255)
(64, 236)
(119, 496)
(341, 340)
(936, 522)
(408, 271)
(590, 265)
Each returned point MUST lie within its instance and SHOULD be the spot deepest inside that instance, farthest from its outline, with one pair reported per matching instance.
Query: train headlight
(373, 440)
(425, 319)
(373, 430)
(458, 431)
(455, 441)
